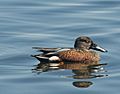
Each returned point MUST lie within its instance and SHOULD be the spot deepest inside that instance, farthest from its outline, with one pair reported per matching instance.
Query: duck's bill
(98, 48)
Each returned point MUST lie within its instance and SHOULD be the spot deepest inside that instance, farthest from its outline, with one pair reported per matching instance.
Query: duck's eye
(85, 41)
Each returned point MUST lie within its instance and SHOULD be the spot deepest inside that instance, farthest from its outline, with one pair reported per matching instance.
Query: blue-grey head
(86, 43)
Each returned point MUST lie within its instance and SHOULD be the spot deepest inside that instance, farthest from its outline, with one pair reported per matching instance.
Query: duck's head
(86, 43)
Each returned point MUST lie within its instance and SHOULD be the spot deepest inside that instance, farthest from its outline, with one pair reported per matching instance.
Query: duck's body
(78, 56)
(80, 53)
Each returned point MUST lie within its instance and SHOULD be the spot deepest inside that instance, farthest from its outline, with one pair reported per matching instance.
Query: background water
(56, 23)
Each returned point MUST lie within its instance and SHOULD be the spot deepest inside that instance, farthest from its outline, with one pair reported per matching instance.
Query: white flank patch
(54, 58)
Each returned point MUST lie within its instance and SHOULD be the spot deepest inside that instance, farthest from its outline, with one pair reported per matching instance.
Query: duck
(83, 51)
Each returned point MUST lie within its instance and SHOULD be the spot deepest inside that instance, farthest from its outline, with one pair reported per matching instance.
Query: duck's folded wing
(48, 50)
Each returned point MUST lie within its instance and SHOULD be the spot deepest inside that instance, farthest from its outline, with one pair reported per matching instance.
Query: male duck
(80, 53)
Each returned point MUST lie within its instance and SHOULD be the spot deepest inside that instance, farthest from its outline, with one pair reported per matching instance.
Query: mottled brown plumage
(79, 56)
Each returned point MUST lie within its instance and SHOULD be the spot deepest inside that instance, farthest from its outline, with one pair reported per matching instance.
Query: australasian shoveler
(80, 53)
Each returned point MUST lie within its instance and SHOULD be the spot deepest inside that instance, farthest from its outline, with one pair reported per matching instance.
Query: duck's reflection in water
(81, 71)
(82, 84)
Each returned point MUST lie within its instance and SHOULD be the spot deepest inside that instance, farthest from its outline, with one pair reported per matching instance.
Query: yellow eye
(87, 41)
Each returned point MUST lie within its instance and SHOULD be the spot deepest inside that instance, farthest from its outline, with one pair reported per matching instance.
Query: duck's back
(78, 56)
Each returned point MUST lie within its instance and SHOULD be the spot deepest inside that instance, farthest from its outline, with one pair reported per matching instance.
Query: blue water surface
(56, 23)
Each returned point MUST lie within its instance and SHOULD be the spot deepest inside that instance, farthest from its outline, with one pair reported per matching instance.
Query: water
(53, 23)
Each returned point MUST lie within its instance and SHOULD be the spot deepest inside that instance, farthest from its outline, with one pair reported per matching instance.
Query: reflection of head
(82, 84)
